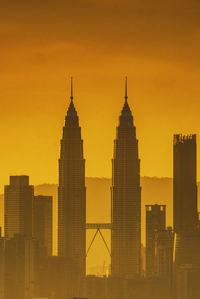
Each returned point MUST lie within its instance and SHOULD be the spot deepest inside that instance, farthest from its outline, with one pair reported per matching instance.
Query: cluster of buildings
(172, 255)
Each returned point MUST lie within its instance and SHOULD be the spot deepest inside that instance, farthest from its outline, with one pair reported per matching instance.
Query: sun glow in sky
(155, 43)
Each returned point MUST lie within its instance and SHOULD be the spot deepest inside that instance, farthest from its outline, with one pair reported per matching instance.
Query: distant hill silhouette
(154, 190)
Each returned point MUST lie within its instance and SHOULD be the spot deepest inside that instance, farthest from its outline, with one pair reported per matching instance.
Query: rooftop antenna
(126, 93)
(71, 97)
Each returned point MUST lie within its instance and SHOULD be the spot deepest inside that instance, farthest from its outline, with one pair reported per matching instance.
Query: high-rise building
(72, 193)
(164, 243)
(126, 199)
(20, 260)
(186, 218)
(2, 262)
(187, 264)
(42, 221)
(184, 184)
(155, 221)
(18, 207)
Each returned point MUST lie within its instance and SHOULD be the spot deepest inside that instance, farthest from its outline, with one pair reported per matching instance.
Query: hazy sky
(155, 43)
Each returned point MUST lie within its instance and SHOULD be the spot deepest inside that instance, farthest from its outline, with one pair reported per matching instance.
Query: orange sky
(43, 43)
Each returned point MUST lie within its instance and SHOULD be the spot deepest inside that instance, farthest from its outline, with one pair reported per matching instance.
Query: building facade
(2, 262)
(164, 246)
(72, 193)
(43, 221)
(20, 267)
(155, 221)
(185, 184)
(126, 199)
(187, 265)
(18, 207)
(188, 286)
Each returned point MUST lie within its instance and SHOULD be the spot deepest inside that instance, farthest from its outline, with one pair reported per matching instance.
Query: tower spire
(71, 97)
(126, 94)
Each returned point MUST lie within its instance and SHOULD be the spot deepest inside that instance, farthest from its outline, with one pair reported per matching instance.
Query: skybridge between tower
(98, 227)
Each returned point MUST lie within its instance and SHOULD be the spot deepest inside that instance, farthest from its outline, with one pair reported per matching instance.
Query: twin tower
(125, 196)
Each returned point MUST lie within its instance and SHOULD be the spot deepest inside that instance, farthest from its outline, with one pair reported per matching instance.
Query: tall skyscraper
(18, 207)
(72, 192)
(186, 223)
(126, 199)
(185, 185)
(155, 221)
(42, 221)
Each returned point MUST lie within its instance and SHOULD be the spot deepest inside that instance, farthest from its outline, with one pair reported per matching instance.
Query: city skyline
(156, 46)
(108, 198)
(26, 248)
(100, 155)
(51, 177)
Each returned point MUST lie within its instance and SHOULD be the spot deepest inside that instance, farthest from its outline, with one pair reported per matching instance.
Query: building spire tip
(126, 92)
(71, 97)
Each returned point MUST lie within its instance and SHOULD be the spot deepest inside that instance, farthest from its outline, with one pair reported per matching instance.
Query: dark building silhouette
(187, 265)
(164, 245)
(187, 249)
(42, 221)
(184, 184)
(186, 219)
(2, 262)
(58, 280)
(116, 288)
(21, 259)
(53, 278)
(18, 207)
(155, 221)
(97, 287)
(126, 199)
(72, 193)
(188, 286)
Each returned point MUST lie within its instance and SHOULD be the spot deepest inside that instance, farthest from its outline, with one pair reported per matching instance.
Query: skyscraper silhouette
(22, 260)
(18, 207)
(72, 192)
(43, 221)
(164, 241)
(126, 198)
(184, 184)
(155, 221)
